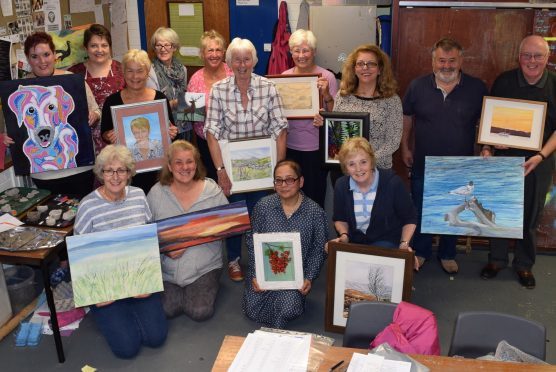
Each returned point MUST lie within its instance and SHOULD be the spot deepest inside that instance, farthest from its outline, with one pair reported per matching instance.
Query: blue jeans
(422, 243)
(233, 244)
(129, 323)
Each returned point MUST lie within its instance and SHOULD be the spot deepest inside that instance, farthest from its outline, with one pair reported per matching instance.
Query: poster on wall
(47, 118)
(545, 25)
(53, 16)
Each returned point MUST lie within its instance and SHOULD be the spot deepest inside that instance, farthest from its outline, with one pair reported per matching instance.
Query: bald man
(531, 81)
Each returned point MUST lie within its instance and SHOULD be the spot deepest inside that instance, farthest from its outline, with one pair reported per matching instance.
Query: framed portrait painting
(278, 262)
(300, 94)
(47, 117)
(358, 272)
(337, 128)
(143, 129)
(249, 163)
(512, 122)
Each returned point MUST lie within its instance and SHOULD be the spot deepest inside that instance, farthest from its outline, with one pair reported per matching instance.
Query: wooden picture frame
(349, 262)
(336, 129)
(249, 163)
(513, 123)
(155, 114)
(300, 94)
(278, 260)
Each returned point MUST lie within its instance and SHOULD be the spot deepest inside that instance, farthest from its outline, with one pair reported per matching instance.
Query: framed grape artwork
(278, 262)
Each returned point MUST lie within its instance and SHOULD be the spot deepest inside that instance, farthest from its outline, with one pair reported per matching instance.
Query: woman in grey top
(191, 276)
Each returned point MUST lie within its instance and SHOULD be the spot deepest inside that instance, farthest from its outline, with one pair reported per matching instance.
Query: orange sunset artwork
(512, 121)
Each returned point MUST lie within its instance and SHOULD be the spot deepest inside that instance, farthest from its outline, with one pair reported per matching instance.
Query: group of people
(371, 204)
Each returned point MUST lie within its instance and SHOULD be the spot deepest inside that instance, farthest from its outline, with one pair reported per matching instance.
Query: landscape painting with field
(251, 164)
(114, 264)
(207, 225)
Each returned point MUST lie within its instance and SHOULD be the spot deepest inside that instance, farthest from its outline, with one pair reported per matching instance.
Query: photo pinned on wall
(473, 196)
(69, 47)
(512, 122)
(115, 264)
(358, 272)
(300, 95)
(278, 260)
(47, 118)
(337, 128)
(180, 232)
(249, 163)
(143, 129)
(191, 107)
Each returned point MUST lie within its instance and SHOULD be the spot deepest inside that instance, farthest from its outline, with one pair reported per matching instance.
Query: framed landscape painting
(337, 128)
(512, 123)
(473, 196)
(47, 118)
(249, 163)
(358, 272)
(114, 264)
(143, 129)
(278, 262)
(300, 94)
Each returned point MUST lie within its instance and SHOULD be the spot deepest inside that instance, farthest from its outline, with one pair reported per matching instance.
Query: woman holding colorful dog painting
(136, 65)
(288, 210)
(191, 276)
(103, 74)
(130, 323)
(41, 55)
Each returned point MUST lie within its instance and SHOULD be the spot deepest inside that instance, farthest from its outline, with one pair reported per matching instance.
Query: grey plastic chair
(477, 333)
(366, 320)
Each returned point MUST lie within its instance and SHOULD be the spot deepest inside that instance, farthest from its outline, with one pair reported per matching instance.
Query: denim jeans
(130, 323)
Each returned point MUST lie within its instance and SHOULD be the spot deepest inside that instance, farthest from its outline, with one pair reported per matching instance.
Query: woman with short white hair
(168, 74)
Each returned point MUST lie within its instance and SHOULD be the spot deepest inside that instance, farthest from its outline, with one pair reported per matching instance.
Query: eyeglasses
(288, 181)
(301, 51)
(368, 64)
(163, 46)
(110, 172)
(533, 56)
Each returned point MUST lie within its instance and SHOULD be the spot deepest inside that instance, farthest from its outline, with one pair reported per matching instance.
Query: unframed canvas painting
(473, 196)
(114, 264)
(47, 118)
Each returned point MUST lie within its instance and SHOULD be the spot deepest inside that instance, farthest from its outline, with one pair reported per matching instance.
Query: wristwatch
(220, 168)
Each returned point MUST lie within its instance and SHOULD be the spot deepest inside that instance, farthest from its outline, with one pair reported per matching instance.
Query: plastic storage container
(5, 307)
(21, 286)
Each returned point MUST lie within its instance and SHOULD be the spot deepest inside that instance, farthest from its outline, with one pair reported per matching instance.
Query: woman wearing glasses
(368, 85)
(288, 210)
(168, 74)
(129, 323)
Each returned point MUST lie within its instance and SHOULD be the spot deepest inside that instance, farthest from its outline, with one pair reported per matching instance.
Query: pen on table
(336, 365)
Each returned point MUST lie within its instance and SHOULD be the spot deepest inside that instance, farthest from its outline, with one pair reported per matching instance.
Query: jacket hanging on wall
(280, 58)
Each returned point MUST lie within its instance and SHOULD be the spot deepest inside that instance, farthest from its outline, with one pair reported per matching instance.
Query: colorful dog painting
(47, 118)
(52, 142)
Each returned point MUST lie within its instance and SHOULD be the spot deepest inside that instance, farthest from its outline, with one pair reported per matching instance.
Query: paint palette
(17, 200)
(58, 211)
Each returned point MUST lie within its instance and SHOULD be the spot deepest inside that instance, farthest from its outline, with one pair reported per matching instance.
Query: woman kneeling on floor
(191, 276)
(129, 323)
(288, 210)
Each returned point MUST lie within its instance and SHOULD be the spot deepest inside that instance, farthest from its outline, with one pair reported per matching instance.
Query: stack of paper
(262, 351)
(376, 363)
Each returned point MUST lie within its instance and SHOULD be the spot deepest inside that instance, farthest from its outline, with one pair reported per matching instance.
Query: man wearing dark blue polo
(442, 110)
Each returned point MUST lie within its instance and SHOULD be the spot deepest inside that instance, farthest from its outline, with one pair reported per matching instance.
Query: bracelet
(344, 233)
(404, 243)
(220, 168)
(541, 155)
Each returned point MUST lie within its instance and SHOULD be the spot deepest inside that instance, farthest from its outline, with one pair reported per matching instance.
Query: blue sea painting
(115, 264)
(473, 196)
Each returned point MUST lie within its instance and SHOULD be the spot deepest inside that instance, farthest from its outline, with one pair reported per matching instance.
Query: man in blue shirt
(441, 110)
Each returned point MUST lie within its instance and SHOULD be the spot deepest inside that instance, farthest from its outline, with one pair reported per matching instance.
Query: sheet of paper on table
(376, 363)
(269, 352)
(8, 222)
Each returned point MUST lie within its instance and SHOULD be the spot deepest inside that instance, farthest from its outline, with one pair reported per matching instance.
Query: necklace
(109, 198)
(294, 208)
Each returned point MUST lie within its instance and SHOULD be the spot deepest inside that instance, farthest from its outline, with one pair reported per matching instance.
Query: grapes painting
(278, 261)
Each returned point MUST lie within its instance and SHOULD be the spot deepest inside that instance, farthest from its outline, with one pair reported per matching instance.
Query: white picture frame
(288, 277)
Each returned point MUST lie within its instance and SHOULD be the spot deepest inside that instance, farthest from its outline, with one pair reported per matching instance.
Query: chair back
(366, 319)
(478, 333)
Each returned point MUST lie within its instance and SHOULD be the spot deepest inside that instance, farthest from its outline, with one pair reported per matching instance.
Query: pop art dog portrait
(47, 119)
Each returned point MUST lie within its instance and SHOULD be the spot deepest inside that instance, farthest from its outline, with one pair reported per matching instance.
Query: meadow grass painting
(115, 264)
(251, 164)
(473, 196)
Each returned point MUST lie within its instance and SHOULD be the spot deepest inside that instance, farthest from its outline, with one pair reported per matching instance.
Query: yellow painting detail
(295, 96)
(513, 120)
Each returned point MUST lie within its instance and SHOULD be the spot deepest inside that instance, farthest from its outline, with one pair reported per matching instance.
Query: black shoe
(490, 271)
(526, 278)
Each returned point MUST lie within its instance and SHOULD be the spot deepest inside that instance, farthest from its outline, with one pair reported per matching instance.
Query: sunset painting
(512, 121)
(207, 225)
